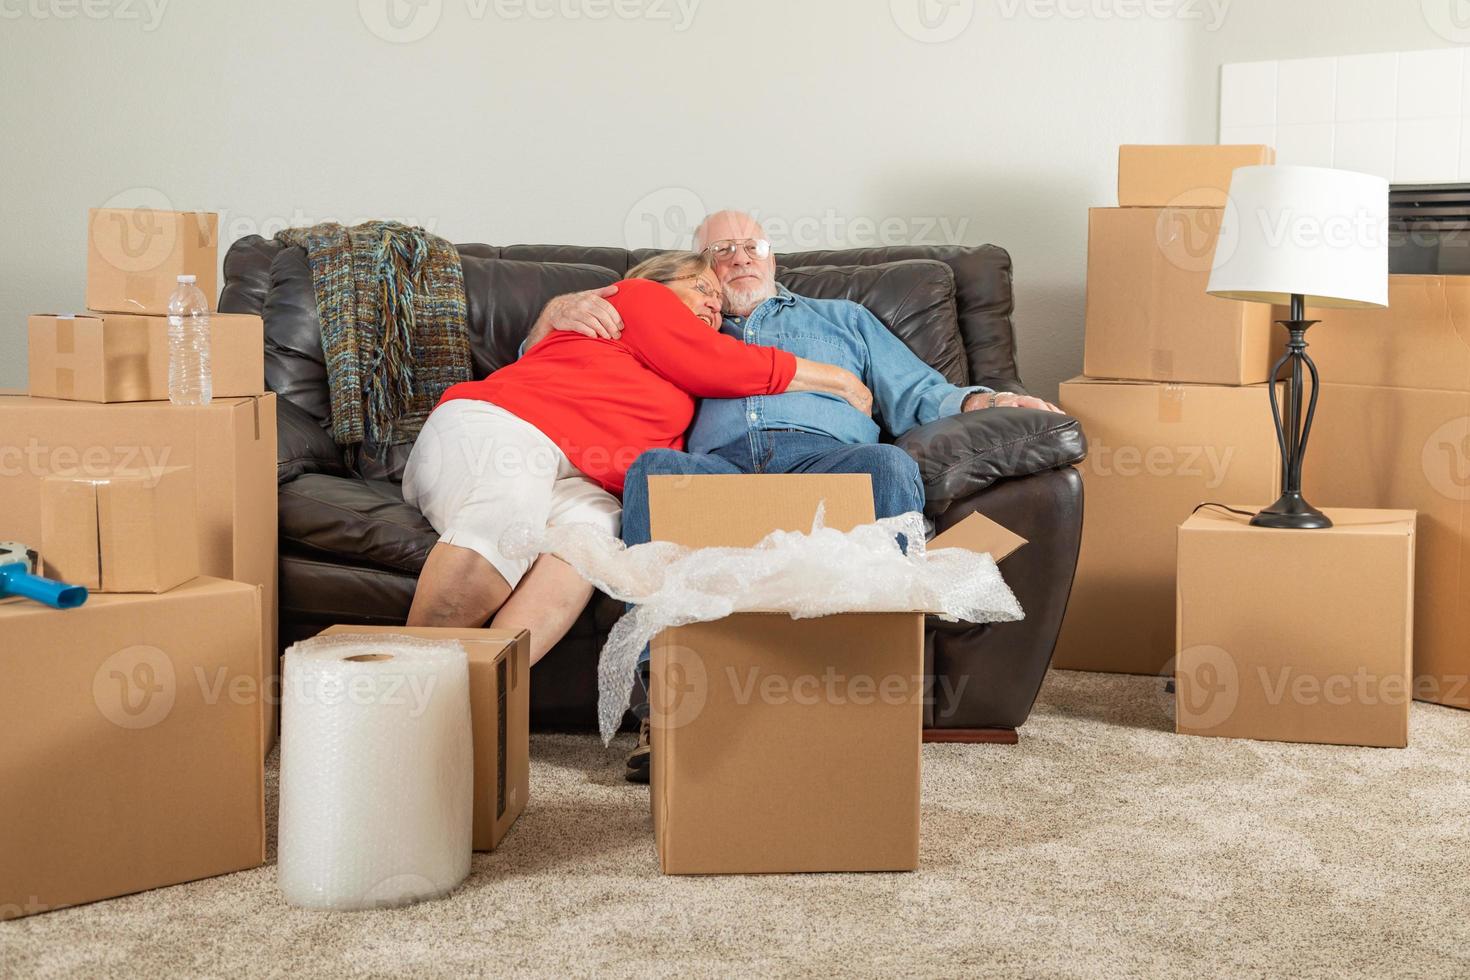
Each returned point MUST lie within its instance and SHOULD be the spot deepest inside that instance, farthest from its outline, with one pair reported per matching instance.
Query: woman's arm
(832, 380)
(677, 345)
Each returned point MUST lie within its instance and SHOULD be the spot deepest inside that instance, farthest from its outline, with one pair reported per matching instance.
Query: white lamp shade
(1311, 230)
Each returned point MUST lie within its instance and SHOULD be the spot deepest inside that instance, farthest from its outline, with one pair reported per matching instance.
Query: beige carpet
(1102, 845)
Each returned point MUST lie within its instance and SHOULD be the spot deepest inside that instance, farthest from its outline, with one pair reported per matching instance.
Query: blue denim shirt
(906, 391)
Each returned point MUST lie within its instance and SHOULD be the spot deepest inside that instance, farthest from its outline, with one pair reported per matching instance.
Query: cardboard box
(1155, 452)
(230, 444)
(1422, 340)
(135, 256)
(1148, 315)
(131, 756)
(121, 357)
(1182, 176)
(500, 716)
(128, 531)
(785, 745)
(1296, 636)
(1408, 448)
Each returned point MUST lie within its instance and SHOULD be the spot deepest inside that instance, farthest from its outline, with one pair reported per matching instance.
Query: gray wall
(842, 123)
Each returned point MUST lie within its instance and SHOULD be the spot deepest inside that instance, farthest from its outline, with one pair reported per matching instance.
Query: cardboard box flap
(737, 510)
(979, 533)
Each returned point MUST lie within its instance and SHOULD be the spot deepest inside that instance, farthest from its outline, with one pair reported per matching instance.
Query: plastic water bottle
(188, 345)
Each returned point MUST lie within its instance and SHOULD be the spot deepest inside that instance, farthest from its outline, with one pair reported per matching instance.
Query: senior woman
(549, 439)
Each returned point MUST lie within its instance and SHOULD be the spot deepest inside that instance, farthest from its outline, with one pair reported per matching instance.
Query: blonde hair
(666, 267)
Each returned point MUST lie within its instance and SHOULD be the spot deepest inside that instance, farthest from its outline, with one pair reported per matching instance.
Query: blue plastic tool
(18, 577)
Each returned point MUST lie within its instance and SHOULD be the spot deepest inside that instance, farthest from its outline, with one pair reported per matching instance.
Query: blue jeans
(897, 488)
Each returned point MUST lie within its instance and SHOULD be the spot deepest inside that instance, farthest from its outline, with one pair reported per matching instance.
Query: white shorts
(476, 470)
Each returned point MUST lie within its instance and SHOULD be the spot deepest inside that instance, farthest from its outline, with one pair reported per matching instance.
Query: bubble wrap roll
(377, 779)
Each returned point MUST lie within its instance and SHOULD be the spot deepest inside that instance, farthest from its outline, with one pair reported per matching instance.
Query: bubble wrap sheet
(377, 778)
(806, 575)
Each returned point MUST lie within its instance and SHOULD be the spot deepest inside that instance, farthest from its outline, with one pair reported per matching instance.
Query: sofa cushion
(506, 295)
(982, 275)
(354, 521)
(915, 299)
(962, 455)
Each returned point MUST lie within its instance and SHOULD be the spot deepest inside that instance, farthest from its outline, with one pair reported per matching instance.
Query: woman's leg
(552, 595)
(547, 602)
(475, 470)
(457, 588)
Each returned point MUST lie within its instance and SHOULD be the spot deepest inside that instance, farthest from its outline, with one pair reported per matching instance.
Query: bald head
(749, 280)
(726, 224)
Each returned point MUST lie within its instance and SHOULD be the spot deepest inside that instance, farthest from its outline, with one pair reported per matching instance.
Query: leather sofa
(350, 548)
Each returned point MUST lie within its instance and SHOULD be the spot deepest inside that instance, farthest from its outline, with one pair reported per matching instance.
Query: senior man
(795, 432)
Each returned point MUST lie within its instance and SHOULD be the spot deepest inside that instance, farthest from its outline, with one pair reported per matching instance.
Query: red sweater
(605, 401)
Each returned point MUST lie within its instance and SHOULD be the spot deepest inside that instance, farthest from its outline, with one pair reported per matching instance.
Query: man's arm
(587, 313)
(910, 393)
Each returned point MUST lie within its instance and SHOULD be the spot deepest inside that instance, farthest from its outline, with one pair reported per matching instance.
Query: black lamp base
(1292, 512)
(1293, 425)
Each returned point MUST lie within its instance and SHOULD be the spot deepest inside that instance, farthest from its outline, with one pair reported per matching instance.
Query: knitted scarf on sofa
(391, 303)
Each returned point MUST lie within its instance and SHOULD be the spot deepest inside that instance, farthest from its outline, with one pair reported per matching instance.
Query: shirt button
(753, 416)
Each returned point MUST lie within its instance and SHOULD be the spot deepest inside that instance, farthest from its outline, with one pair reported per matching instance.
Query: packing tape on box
(377, 779)
(64, 384)
(1171, 404)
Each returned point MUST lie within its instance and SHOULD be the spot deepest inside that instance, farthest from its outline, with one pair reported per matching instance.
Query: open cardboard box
(779, 744)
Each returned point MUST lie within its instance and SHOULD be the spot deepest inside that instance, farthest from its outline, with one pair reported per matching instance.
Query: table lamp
(1299, 236)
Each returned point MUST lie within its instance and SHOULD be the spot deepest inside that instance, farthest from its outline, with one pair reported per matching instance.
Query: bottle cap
(186, 278)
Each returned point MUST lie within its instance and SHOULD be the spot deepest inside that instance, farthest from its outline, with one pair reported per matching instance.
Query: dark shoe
(641, 758)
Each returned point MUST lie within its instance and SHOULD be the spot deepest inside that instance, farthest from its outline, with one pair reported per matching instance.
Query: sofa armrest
(303, 446)
(963, 454)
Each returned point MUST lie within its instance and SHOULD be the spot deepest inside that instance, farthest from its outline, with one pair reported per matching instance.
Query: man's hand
(1005, 399)
(857, 393)
(587, 313)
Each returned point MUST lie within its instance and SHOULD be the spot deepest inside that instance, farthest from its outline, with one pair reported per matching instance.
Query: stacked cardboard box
(98, 403)
(1173, 399)
(1393, 430)
(135, 724)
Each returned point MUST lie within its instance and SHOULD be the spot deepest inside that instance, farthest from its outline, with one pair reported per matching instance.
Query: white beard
(742, 300)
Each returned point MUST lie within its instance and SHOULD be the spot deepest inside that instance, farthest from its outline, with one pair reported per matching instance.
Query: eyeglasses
(700, 286)
(724, 250)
